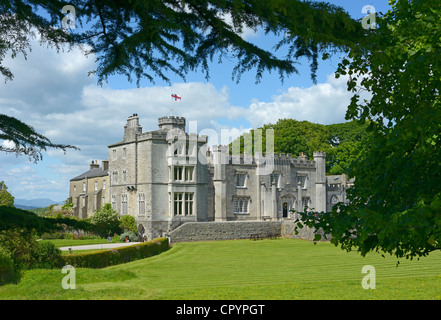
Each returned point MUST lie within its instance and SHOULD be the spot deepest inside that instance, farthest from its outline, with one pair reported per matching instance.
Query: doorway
(285, 210)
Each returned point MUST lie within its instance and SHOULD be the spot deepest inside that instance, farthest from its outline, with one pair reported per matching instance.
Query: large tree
(342, 142)
(395, 205)
(6, 199)
(153, 39)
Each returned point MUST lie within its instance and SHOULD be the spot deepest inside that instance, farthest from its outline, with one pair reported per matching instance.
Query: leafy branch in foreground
(20, 138)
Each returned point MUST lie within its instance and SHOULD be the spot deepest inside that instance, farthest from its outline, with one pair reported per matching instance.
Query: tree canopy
(6, 199)
(148, 38)
(342, 142)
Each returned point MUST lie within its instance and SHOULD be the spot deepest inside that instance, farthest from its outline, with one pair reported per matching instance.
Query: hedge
(105, 258)
(17, 218)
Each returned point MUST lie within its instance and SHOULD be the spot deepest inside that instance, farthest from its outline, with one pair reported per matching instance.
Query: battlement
(320, 154)
(171, 119)
(261, 158)
(171, 122)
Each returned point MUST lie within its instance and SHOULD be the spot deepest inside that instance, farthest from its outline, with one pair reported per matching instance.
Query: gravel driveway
(99, 246)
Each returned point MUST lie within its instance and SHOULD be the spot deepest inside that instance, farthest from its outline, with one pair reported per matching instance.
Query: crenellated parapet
(171, 122)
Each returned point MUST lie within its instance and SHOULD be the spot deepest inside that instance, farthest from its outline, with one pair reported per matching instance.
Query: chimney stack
(94, 164)
(105, 165)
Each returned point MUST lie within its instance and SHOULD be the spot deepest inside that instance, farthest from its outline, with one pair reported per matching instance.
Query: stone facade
(168, 177)
(90, 190)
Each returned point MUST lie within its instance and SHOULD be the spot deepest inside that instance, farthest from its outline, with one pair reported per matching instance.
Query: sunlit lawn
(242, 269)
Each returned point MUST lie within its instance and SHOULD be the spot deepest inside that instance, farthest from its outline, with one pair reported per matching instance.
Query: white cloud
(323, 103)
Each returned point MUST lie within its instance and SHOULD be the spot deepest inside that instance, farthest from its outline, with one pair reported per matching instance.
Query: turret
(167, 123)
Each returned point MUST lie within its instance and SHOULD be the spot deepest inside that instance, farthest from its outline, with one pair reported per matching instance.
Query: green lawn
(242, 269)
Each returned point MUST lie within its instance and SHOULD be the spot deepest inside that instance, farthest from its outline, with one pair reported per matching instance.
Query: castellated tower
(167, 123)
(320, 182)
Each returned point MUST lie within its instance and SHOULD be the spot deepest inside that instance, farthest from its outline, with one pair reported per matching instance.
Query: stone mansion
(167, 177)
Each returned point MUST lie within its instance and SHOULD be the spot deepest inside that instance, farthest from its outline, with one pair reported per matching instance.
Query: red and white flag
(175, 96)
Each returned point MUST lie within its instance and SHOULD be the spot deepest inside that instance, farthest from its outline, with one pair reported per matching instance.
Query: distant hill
(34, 203)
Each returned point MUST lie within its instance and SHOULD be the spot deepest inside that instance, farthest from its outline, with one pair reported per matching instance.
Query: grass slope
(242, 269)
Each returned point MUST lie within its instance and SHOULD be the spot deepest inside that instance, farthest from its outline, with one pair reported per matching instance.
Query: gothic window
(124, 153)
(124, 176)
(306, 203)
(274, 178)
(241, 205)
(240, 179)
(334, 201)
(302, 179)
(141, 204)
(124, 204)
(114, 154)
(114, 177)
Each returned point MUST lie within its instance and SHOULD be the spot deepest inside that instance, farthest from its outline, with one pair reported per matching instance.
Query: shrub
(26, 252)
(47, 256)
(133, 237)
(105, 258)
(6, 266)
(21, 244)
(127, 223)
(106, 221)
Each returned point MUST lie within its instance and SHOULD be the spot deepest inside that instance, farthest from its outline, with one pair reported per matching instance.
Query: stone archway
(287, 204)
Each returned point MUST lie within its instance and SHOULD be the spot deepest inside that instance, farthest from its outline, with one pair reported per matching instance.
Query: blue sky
(52, 92)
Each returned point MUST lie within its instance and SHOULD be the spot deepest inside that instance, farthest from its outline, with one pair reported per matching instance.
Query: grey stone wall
(305, 233)
(229, 230)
